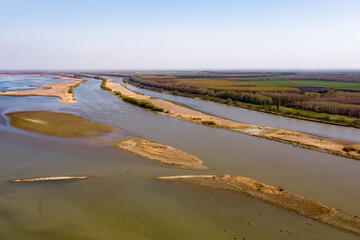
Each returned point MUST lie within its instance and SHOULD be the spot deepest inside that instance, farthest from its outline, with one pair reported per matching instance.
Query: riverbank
(161, 153)
(277, 196)
(62, 90)
(283, 111)
(304, 140)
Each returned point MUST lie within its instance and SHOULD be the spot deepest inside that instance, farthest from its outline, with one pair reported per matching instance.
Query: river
(255, 117)
(122, 201)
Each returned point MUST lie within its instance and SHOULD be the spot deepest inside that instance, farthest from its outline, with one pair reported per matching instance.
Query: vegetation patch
(349, 149)
(72, 87)
(142, 103)
(210, 123)
(134, 101)
(325, 102)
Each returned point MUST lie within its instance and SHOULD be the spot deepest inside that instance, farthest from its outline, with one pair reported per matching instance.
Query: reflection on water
(259, 118)
(18, 83)
(122, 201)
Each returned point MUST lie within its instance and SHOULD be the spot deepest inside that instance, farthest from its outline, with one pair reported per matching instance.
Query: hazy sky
(179, 34)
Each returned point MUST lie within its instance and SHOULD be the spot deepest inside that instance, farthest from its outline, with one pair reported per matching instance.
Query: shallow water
(122, 201)
(255, 117)
(19, 83)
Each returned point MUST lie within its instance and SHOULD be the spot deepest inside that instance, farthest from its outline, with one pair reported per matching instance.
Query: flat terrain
(304, 140)
(60, 90)
(327, 97)
(57, 124)
(278, 196)
(161, 153)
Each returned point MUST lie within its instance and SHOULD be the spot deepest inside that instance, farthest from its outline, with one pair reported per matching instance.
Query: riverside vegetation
(328, 98)
(51, 123)
(134, 101)
(304, 140)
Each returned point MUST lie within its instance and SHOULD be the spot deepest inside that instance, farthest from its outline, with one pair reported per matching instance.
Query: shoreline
(304, 140)
(245, 107)
(60, 90)
(277, 196)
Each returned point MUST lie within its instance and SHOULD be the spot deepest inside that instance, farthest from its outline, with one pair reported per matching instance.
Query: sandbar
(60, 90)
(57, 124)
(49, 179)
(161, 153)
(277, 196)
(300, 139)
(66, 125)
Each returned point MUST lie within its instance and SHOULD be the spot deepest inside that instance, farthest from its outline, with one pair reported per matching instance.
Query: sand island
(277, 196)
(161, 153)
(49, 179)
(304, 140)
(62, 90)
(66, 125)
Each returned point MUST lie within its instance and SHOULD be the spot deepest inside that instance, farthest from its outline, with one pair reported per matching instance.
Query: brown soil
(304, 206)
(304, 140)
(52, 90)
(57, 124)
(161, 153)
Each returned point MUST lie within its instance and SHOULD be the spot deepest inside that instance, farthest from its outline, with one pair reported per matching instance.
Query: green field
(265, 85)
(308, 83)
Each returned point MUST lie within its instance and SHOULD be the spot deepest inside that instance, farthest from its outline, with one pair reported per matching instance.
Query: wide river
(255, 117)
(121, 200)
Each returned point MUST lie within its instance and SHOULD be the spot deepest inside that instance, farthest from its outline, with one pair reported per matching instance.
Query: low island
(278, 196)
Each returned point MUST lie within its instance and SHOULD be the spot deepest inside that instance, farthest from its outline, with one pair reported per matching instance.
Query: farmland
(326, 97)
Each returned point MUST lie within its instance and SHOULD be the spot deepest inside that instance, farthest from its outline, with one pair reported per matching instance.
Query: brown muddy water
(122, 201)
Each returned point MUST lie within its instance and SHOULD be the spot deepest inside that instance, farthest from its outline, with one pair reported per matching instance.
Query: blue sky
(179, 34)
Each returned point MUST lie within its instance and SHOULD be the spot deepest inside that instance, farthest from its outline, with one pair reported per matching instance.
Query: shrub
(209, 123)
(103, 85)
(281, 189)
(142, 103)
(195, 118)
(71, 89)
(349, 149)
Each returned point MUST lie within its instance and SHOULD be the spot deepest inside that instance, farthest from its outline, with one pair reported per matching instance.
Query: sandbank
(67, 125)
(290, 201)
(57, 124)
(60, 90)
(161, 153)
(48, 179)
(300, 139)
